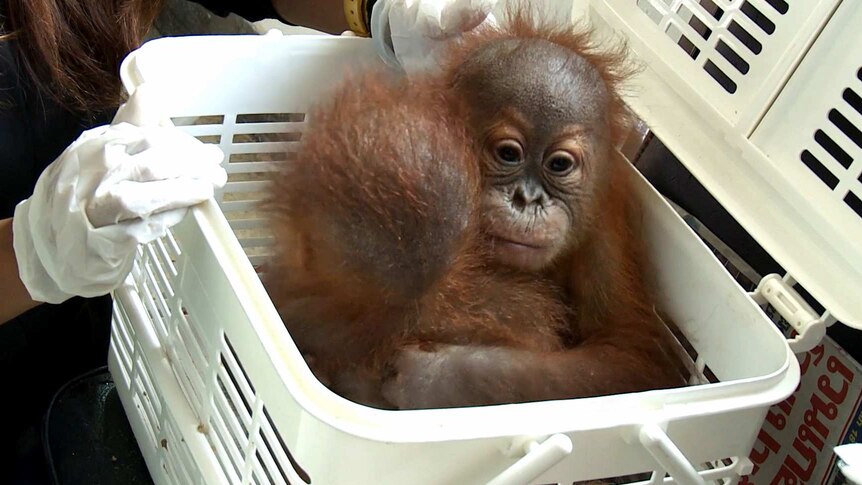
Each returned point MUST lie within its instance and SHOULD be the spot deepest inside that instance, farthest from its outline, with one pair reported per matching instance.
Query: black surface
(39, 352)
(87, 438)
(251, 10)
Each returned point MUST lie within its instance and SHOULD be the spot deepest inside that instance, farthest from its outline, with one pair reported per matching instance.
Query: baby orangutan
(379, 248)
(470, 238)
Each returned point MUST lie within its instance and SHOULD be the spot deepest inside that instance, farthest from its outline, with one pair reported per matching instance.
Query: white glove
(113, 188)
(850, 461)
(409, 33)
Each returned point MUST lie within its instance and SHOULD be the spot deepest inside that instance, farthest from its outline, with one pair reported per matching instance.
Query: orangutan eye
(561, 163)
(509, 152)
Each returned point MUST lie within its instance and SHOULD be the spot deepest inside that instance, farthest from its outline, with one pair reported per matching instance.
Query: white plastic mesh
(255, 144)
(728, 49)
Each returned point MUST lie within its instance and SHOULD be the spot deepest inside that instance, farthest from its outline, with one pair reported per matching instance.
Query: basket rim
(459, 423)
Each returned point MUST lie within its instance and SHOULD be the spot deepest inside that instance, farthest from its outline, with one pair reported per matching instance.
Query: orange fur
(384, 168)
(379, 253)
(521, 22)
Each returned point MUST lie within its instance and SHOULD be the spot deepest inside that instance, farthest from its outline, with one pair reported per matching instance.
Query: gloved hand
(850, 461)
(409, 33)
(113, 188)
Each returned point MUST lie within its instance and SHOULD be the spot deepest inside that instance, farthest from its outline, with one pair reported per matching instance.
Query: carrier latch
(778, 292)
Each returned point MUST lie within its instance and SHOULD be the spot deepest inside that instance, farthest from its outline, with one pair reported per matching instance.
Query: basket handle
(668, 455)
(539, 458)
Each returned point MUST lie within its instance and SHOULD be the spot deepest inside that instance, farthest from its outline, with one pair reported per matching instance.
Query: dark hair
(73, 48)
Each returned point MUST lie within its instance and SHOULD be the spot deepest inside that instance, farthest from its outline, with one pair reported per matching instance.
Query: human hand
(113, 188)
(409, 33)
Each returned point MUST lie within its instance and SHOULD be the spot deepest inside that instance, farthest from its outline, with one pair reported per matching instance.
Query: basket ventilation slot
(241, 430)
(154, 270)
(620, 480)
(255, 144)
(834, 152)
(717, 471)
(724, 50)
(154, 274)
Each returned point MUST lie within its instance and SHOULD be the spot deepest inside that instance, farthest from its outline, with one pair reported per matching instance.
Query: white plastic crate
(217, 392)
(783, 151)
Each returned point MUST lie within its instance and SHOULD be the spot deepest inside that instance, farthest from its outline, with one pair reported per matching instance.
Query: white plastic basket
(217, 392)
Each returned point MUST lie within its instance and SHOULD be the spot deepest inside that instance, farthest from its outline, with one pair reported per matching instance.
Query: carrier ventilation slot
(154, 273)
(620, 480)
(694, 371)
(834, 151)
(198, 120)
(271, 118)
(241, 430)
(717, 471)
(155, 276)
(255, 145)
(724, 50)
(212, 139)
(188, 354)
(155, 280)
